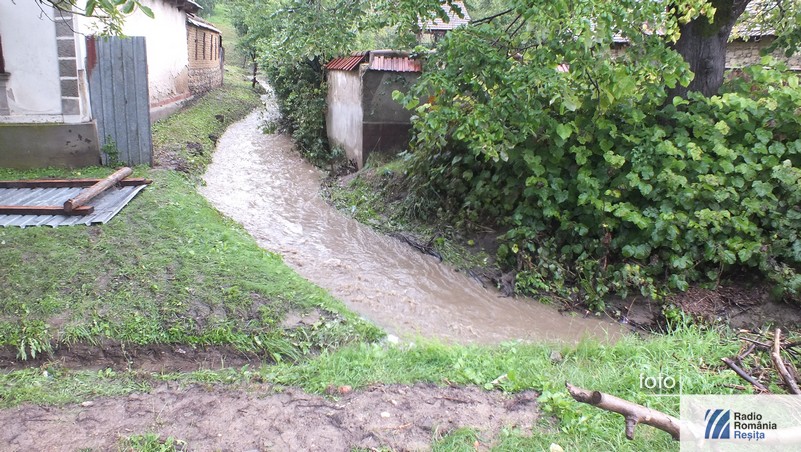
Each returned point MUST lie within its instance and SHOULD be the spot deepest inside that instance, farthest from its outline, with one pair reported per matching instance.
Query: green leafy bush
(301, 95)
(604, 185)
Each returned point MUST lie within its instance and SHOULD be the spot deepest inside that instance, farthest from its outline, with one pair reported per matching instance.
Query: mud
(207, 418)
(148, 358)
(261, 182)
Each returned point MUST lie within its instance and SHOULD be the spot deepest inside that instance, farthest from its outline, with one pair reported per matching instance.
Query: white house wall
(29, 49)
(167, 55)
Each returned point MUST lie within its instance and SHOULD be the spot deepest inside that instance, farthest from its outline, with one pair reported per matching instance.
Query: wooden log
(778, 362)
(759, 386)
(87, 194)
(632, 412)
(44, 210)
(55, 183)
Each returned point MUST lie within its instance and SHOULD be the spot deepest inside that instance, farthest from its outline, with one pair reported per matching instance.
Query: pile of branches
(753, 366)
(750, 364)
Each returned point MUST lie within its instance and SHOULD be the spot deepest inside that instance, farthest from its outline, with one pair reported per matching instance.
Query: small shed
(362, 118)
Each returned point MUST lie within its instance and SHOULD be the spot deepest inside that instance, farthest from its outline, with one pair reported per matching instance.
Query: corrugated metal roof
(395, 64)
(347, 63)
(200, 23)
(106, 205)
(453, 19)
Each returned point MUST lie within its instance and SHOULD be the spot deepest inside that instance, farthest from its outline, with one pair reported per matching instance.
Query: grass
(689, 354)
(186, 140)
(168, 269)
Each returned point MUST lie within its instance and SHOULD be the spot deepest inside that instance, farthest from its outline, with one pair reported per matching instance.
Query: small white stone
(87, 404)
(385, 414)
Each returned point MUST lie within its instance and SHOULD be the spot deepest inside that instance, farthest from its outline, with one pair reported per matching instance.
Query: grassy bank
(168, 269)
(688, 355)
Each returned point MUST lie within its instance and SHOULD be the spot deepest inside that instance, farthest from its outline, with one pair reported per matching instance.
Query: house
(204, 44)
(172, 37)
(361, 117)
(435, 29)
(65, 95)
(751, 35)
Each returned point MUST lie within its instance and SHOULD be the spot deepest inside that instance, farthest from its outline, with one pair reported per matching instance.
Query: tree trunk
(703, 46)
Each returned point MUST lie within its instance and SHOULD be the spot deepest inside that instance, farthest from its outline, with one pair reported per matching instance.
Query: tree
(703, 39)
(703, 45)
(110, 13)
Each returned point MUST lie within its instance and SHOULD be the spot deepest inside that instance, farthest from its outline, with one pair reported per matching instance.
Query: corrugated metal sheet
(395, 64)
(347, 63)
(106, 205)
(200, 23)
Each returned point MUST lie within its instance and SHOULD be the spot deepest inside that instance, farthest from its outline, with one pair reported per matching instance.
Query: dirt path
(394, 416)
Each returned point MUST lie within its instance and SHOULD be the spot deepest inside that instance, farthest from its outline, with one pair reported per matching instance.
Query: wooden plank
(49, 183)
(87, 194)
(144, 130)
(118, 68)
(44, 210)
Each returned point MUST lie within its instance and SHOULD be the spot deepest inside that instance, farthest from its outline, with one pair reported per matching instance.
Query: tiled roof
(379, 60)
(395, 64)
(347, 63)
(453, 19)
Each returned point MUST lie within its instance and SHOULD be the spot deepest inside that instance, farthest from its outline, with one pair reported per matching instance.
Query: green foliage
(151, 442)
(604, 185)
(293, 39)
(301, 95)
(111, 14)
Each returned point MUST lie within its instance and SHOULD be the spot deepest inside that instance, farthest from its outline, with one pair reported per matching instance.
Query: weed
(151, 442)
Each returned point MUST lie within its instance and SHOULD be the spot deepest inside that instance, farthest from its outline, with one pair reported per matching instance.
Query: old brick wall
(205, 66)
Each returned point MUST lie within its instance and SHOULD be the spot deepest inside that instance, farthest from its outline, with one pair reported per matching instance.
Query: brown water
(261, 182)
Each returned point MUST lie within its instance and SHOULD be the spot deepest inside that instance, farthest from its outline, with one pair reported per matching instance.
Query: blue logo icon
(717, 424)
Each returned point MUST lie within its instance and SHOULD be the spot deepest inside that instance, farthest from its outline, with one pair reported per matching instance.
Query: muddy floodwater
(262, 183)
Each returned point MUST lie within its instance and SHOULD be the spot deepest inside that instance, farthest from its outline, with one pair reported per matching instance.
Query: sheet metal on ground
(106, 205)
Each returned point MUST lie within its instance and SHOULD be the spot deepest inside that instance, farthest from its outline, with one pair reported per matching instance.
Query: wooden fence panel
(119, 98)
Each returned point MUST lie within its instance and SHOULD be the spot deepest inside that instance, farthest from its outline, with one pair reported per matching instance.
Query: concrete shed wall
(386, 123)
(344, 114)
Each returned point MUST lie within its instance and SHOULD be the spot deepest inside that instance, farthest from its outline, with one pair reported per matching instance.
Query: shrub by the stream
(604, 186)
(300, 91)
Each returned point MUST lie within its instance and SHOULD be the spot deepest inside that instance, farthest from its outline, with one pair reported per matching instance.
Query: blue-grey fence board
(119, 97)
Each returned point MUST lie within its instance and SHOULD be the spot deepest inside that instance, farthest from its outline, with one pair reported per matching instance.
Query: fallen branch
(632, 412)
(778, 362)
(759, 386)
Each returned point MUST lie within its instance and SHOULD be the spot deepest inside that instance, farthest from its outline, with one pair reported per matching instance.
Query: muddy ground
(396, 417)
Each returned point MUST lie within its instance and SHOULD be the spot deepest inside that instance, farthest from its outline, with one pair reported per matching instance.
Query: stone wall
(205, 59)
(743, 53)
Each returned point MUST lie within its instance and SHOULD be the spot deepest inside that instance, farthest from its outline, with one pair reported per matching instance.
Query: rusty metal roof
(106, 205)
(200, 23)
(395, 64)
(347, 63)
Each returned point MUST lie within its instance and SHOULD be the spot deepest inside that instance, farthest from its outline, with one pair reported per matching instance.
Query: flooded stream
(262, 183)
